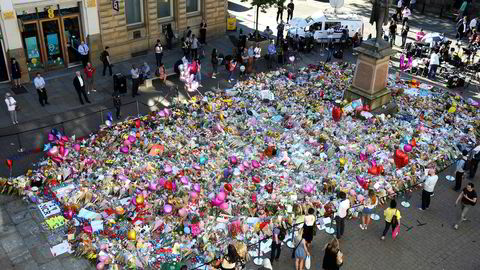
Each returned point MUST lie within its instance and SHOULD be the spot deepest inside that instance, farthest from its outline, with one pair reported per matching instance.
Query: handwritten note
(49, 208)
(61, 248)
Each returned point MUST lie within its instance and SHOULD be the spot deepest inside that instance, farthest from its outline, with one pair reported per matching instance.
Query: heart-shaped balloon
(400, 158)
(373, 170)
(228, 187)
(256, 179)
(337, 113)
(407, 148)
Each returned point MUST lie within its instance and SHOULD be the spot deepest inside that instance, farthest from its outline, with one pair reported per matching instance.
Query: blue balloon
(186, 230)
(110, 117)
(47, 147)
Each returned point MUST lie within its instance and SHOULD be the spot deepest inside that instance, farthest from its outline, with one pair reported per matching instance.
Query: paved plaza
(427, 239)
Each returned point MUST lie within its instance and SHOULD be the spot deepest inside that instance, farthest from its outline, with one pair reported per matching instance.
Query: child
(117, 103)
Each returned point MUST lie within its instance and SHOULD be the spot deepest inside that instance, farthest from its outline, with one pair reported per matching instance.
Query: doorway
(53, 52)
(73, 38)
(3, 65)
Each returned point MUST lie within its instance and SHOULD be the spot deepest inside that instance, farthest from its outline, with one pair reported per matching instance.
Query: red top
(89, 71)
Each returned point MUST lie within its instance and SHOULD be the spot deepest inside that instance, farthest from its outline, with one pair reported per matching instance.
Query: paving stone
(36, 215)
(29, 227)
(27, 265)
(74, 263)
(12, 242)
(6, 263)
(4, 217)
(52, 265)
(34, 240)
(42, 254)
(6, 230)
(20, 255)
(16, 206)
(4, 199)
(20, 217)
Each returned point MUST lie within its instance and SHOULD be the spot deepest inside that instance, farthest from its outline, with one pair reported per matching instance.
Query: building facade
(44, 35)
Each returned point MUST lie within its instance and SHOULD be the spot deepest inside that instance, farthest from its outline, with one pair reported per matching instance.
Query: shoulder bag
(339, 258)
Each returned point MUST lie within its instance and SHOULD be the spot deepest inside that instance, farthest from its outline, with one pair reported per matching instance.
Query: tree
(262, 5)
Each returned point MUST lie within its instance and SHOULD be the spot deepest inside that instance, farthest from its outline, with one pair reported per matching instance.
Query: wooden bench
(148, 83)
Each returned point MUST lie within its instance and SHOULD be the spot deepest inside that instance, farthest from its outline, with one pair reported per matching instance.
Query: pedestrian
(469, 199)
(268, 32)
(187, 33)
(135, 80)
(333, 257)
(83, 51)
(16, 72)
(272, 51)
(79, 84)
(169, 36)
(405, 15)
(368, 205)
(280, 10)
(158, 52)
(232, 64)
(460, 170)
(474, 165)
(145, 73)
(257, 51)
(413, 5)
(214, 61)
(276, 241)
(342, 214)
(203, 32)
(230, 260)
(462, 28)
(117, 103)
(39, 83)
(290, 8)
(161, 74)
(404, 34)
(198, 75)
(12, 107)
(433, 65)
(280, 28)
(89, 71)
(392, 32)
(301, 253)
(194, 47)
(392, 218)
(330, 49)
(309, 227)
(105, 58)
(251, 57)
(399, 9)
(267, 265)
(428, 187)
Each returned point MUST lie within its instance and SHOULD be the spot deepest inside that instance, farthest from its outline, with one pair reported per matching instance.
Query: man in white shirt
(79, 84)
(158, 52)
(428, 187)
(83, 51)
(135, 80)
(459, 172)
(342, 214)
(473, 24)
(434, 63)
(194, 47)
(405, 15)
(39, 83)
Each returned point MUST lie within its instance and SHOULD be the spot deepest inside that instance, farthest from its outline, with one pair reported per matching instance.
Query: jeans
(42, 96)
(340, 226)
(276, 249)
(426, 199)
(465, 208)
(458, 180)
(105, 66)
(13, 116)
(404, 40)
(392, 39)
(158, 57)
(198, 76)
(433, 71)
(387, 227)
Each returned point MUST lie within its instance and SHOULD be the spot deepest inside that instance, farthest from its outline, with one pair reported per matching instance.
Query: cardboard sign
(49, 209)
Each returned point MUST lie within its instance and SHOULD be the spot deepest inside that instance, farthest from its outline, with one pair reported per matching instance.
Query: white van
(319, 24)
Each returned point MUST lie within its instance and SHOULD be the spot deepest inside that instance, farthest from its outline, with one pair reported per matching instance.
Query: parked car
(319, 24)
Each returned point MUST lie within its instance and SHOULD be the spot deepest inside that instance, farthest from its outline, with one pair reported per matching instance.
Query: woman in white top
(11, 106)
(368, 204)
(257, 52)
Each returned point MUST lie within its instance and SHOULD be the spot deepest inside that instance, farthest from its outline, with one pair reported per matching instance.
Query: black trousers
(458, 180)
(194, 54)
(473, 169)
(340, 226)
(84, 60)
(82, 92)
(276, 249)
(105, 66)
(159, 56)
(387, 227)
(117, 112)
(289, 16)
(135, 83)
(42, 96)
(426, 199)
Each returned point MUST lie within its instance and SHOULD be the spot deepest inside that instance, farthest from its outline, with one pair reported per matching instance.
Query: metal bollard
(258, 260)
(291, 242)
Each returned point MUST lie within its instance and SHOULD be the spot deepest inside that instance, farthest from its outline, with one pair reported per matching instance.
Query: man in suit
(79, 84)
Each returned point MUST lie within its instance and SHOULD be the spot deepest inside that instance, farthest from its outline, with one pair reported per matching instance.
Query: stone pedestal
(371, 74)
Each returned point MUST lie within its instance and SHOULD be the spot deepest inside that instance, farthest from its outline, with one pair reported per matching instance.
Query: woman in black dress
(16, 73)
(203, 32)
(308, 227)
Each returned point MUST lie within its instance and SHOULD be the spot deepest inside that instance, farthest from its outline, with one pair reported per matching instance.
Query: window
(164, 8)
(193, 6)
(134, 11)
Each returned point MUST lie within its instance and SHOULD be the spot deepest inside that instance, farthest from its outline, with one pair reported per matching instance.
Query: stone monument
(371, 74)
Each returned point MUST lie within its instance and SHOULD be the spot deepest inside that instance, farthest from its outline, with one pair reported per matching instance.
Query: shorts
(367, 210)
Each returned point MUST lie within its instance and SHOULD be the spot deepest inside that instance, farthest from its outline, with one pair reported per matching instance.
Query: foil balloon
(400, 158)
(224, 206)
(184, 180)
(167, 208)
(407, 148)
(76, 147)
(221, 196)
(337, 113)
(182, 212)
(255, 164)
(9, 163)
(228, 187)
(68, 214)
(132, 138)
(124, 149)
(132, 235)
(137, 123)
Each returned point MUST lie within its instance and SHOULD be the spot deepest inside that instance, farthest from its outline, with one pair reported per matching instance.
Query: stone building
(44, 35)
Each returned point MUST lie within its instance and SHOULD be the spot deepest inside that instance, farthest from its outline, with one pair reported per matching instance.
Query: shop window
(134, 11)
(193, 6)
(164, 9)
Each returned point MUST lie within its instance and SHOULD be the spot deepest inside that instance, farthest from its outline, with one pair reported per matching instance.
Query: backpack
(282, 234)
(102, 56)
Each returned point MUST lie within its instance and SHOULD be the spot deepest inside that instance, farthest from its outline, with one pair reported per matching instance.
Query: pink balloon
(182, 212)
(161, 114)
(87, 229)
(62, 150)
(76, 147)
(197, 188)
(241, 168)
(51, 137)
(167, 208)
(374, 163)
(407, 148)
(193, 195)
(152, 186)
(132, 138)
(127, 143)
(224, 206)
(100, 266)
(184, 180)
(221, 196)
(168, 169)
(216, 202)
(65, 138)
(65, 153)
(53, 151)
(124, 149)
(233, 159)
(246, 165)
(255, 164)
(363, 157)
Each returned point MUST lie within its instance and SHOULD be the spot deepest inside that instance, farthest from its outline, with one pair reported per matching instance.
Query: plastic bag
(307, 262)
(395, 232)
